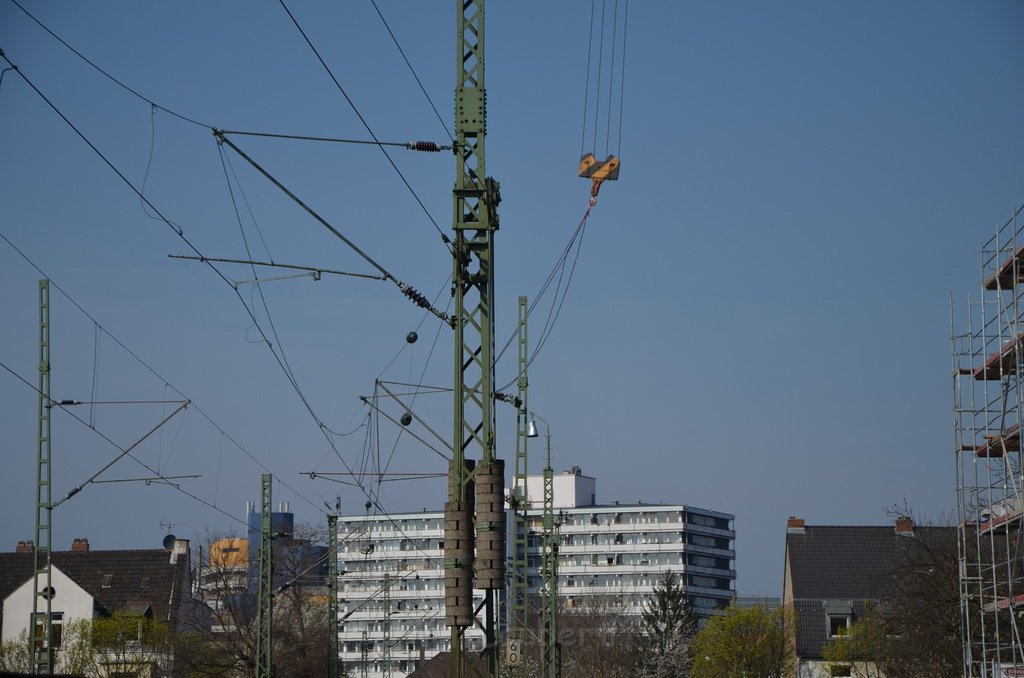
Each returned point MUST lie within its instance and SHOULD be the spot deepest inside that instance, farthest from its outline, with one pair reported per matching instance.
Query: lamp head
(531, 428)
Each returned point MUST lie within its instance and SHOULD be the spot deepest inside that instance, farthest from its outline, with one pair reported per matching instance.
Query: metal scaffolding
(988, 401)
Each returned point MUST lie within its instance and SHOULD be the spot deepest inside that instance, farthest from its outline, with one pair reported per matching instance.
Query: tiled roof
(439, 665)
(117, 580)
(838, 564)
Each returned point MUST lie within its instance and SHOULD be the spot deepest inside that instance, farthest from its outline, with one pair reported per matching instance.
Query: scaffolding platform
(1008, 274)
(1001, 517)
(1002, 362)
(997, 445)
(1004, 603)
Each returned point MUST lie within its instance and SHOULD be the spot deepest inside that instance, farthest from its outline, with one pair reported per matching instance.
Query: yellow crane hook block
(590, 168)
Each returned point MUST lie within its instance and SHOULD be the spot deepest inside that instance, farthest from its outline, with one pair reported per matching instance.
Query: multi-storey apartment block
(392, 589)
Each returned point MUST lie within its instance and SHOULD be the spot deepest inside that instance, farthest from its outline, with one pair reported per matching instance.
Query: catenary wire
(108, 75)
(444, 238)
(102, 435)
(180, 232)
(412, 70)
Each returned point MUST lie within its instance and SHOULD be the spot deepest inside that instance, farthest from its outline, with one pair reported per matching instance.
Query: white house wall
(70, 599)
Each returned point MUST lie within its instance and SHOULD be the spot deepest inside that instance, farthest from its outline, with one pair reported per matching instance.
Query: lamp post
(551, 666)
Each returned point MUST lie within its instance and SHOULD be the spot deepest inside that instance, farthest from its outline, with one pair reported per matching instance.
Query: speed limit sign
(514, 652)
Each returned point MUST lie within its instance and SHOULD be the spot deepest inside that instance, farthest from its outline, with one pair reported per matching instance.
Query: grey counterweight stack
(490, 525)
(458, 552)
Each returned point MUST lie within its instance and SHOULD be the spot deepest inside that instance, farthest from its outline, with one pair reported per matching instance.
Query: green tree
(668, 625)
(854, 653)
(745, 642)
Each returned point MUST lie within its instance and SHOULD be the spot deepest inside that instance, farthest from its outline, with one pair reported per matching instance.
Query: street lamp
(551, 665)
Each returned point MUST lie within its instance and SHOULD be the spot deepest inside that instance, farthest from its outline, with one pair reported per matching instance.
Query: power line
(444, 238)
(127, 452)
(412, 70)
(180, 233)
(108, 75)
(421, 146)
(406, 289)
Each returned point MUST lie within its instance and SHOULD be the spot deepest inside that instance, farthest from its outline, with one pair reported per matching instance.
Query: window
(838, 625)
(107, 580)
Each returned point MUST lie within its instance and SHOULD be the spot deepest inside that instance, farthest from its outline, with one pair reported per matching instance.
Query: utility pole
(332, 594)
(265, 614)
(364, 657)
(475, 201)
(387, 625)
(42, 611)
(550, 661)
(520, 582)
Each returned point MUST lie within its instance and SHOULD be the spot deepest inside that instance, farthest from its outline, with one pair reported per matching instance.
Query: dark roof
(839, 567)
(439, 665)
(119, 581)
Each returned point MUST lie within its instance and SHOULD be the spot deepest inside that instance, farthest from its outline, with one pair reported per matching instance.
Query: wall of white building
(69, 598)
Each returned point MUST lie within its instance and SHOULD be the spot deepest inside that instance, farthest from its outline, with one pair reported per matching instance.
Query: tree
(854, 654)
(745, 642)
(300, 624)
(668, 625)
(597, 640)
(914, 627)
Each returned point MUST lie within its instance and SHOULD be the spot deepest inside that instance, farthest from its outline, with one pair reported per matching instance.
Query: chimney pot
(26, 547)
(904, 525)
(80, 544)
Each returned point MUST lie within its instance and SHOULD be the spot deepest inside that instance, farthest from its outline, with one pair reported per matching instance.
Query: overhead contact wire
(444, 238)
(108, 75)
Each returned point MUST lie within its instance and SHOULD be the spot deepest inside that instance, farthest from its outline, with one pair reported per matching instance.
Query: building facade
(617, 553)
(392, 591)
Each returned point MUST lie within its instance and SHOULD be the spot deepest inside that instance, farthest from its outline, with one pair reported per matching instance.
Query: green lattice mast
(520, 582)
(265, 614)
(332, 595)
(469, 528)
(42, 619)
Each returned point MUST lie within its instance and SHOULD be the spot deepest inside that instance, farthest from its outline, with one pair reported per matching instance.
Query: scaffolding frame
(988, 400)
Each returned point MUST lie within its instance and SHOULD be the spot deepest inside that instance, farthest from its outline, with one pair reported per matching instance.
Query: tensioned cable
(600, 68)
(559, 266)
(444, 237)
(406, 289)
(180, 232)
(586, 91)
(611, 76)
(622, 74)
(142, 362)
(425, 146)
(130, 456)
(108, 75)
(412, 70)
(259, 288)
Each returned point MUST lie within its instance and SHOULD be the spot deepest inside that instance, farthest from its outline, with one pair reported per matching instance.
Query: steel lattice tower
(520, 582)
(42, 619)
(332, 595)
(475, 199)
(265, 614)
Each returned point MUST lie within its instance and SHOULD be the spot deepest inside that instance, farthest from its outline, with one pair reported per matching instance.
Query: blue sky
(758, 321)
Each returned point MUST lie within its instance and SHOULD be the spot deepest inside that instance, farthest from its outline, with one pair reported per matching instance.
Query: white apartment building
(614, 551)
(620, 551)
(406, 551)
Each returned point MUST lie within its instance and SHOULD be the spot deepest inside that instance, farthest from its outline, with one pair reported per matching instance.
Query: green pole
(475, 198)
(42, 611)
(332, 595)
(265, 614)
(520, 582)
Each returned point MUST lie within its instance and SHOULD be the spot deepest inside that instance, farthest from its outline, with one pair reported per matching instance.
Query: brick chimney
(26, 547)
(80, 544)
(905, 526)
(795, 525)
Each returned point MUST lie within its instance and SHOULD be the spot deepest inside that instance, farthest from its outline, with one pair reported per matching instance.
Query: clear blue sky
(758, 321)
